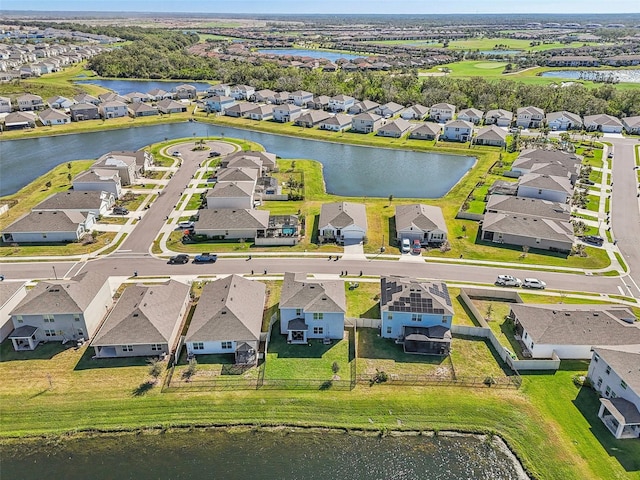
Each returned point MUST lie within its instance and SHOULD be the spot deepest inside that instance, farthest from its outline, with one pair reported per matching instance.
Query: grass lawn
(194, 203)
(593, 203)
(595, 176)
(363, 301)
(132, 201)
(102, 239)
(113, 220)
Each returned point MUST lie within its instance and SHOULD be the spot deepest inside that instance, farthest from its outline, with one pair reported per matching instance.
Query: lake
(349, 170)
(299, 52)
(257, 455)
(122, 87)
(629, 76)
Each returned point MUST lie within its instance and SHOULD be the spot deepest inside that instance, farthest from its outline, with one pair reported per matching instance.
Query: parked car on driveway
(593, 240)
(405, 245)
(205, 258)
(185, 224)
(416, 248)
(508, 281)
(182, 258)
(117, 210)
(534, 283)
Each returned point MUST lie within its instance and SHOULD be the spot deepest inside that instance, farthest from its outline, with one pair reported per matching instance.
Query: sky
(330, 6)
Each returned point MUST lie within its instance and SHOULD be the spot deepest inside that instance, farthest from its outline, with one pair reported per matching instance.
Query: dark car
(214, 154)
(120, 210)
(182, 258)
(205, 258)
(593, 240)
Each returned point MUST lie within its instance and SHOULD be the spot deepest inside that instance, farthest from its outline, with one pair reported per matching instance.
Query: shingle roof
(52, 114)
(424, 217)
(427, 128)
(458, 124)
(577, 324)
(237, 174)
(491, 132)
(625, 364)
(268, 159)
(528, 158)
(312, 295)
(445, 106)
(144, 314)
(71, 200)
(231, 218)
(546, 182)
(231, 190)
(97, 175)
(530, 110)
(531, 207)
(403, 294)
(339, 119)
(399, 125)
(574, 117)
(343, 214)
(372, 117)
(229, 309)
(499, 113)
(602, 119)
(528, 226)
(313, 116)
(470, 112)
(47, 221)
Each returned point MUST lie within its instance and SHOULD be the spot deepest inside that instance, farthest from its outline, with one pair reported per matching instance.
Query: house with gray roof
(389, 109)
(111, 97)
(145, 321)
(340, 103)
(140, 109)
(336, 123)
(231, 194)
(113, 109)
(342, 222)
(562, 121)
(530, 231)
(301, 98)
(632, 125)
(239, 110)
(472, 115)
(84, 111)
(321, 102)
(420, 222)
(602, 123)
(530, 117)
(221, 89)
(242, 92)
(366, 123)
(237, 174)
(168, 105)
(528, 158)
(491, 135)
(545, 187)
(136, 97)
(417, 314)
(571, 331)
(11, 294)
(261, 112)
(280, 98)
(363, 107)
(414, 112)
(185, 91)
(98, 203)
(442, 112)
(58, 226)
(219, 103)
(311, 308)
(157, 94)
(261, 96)
(529, 207)
(426, 131)
(228, 319)
(396, 128)
(5, 105)
(615, 374)
(232, 223)
(287, 112)
(143, 158)
(498, 117)
(60, 102)
(18, 120)
(312, 118)
(125, 165)
(30, 102)
(264, 161)
(457, 131)
(61, 310)
(86, 98)
(96, 179)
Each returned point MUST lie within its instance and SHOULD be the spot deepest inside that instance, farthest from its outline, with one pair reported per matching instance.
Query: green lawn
(593, 203)
(194, 203)
(102, 239)
(363, 301)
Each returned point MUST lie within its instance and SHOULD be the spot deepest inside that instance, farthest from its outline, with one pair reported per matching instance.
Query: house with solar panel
(416, 314)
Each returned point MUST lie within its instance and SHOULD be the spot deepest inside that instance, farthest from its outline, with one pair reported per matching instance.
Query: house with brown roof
(615, 374)
(491, 135)
(336, 122)
(84, 111)
(342, 222)
(145, 321)
(61, 310)
(311, 308)
(312, 118)
(228, 319)
(421, 222)
(395, 129)
(426, 131)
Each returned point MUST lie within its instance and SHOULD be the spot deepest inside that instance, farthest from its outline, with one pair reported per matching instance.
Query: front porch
(297, 331)
(621, 417)
(24, 338)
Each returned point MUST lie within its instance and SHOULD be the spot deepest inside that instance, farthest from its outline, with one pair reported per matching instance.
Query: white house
(99, 180)
(414, 112)
(286, 113)
(51, 117)
(300, 97)
(5, 105)
(442, 112)
(336, 123)
(11, 294)
(498, 117)
(236, 194)
(457, 131)
(98, 203)
(530, 117)
(113, 109)
(632, 125)
(420, 222)
(232, 223)
(341, 103)
(49, 227)
(602, 123)
(342, 222)
(472, 115)
(491, 135)
(562, 121)
(389, 109)
(545, 187)
(242, 92)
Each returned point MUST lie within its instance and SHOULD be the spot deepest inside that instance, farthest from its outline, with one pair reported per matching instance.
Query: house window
(156, 347)
(198, 345)
(48, 318)
(49, 333)
(537, 240)
(127, 348)
(416, 317)
(525, 335)
(531, 345)
(388, 330)
(608, 370)
(613, 395)
(390, 316)
(226, 345)
(76, 317)
(318, 330)
(318, 316)
(298, 312)
(80, 333)
(445, 319)
(607, 392)
(599, 382)
(19, 318)
(539, 191)
(596, 357)
(623, 384)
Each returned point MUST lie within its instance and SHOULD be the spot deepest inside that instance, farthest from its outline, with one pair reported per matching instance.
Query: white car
(185, 224)
(406, 245)
(534, 283)
(508, 281)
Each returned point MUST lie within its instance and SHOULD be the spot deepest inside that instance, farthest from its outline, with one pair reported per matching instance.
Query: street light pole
(54, 271)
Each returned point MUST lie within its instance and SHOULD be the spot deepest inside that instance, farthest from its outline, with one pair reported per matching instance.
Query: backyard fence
(441, 381)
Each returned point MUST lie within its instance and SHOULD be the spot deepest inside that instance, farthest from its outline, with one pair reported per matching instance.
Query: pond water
(348, 170)
(257, 455)
(122, 87)
(299, 52)
(629, 76)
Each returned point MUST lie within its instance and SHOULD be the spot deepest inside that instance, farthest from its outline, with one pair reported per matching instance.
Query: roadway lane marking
(69, 271)
(621, 291)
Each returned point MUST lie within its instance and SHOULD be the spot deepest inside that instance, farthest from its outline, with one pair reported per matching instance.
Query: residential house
(280, 98)
(311, 308)
(242, 92)
(58, 102)
(264, 161)
(145, 322)
(342, 222)
(300, 98)
(232, 223)
(530, 117)
(389, 109)
(472, 115)
(185, 92)
(51, 117)
(5, 105)
(61, 310)
(321, 102)
(498, 117)
(396, 128)
(623, 60)
(631, 125)
(442, 112)
(573, 61)
(30, 102)
(528, 207)
(530, 231)
(98, 180)
(545, 187)
(231, 195)
(366, 123)
(18, 120)
(261, 112)
(457, 131)
(84, 111)
(98, 203)
(221, 90)
(157, 94)
(263, 96)
(140, 109)
(143, 159)
(420, 222)
(426, 131)
(528, 158)
(312, 118)
(341, 103)
(219, 104)
(113, 109)
(111, 97)
(286, 113)
(615, 375)
(336, 123)
(11, 294)
(562, 121)
(414, 112)
(136, 97)
(171, 106)
(417, 314)
(125, 165)
(49, 227)
(491, 135)
(602, 123)
(86, 98)
(569, 332)
(363, 107)
(228, 319)
(239, 110)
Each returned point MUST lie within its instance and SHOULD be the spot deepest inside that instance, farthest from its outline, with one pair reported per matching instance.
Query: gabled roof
(458, 124)
(471, 113)
(231, 190)
(399, 125)
(312, 295)
(533, 111)
(267, 159)
(367, 116)
(169, 104)
(231, 218)
(528, 226)
(339, 119)
(546, 182)
(574, 117)
(443, 106)
(342, 98)
(137, 107)
(596, 325)
(52, 114)
(98, 175)
(499, 113)
(144, 314)
(421, 110)
(229, 309)
(530, 157)
(632, 122)
(530, 207)
(343, 214)
(287, 107)
(115, 160)
(403, 294)
(491, 132)
(625, 364)
(262, 110)
(366, 105)
(237, 174)
(394, 107)
(47, 221)
(71, 200)
(602, 119)
(427, 128)
(423, 217)
(83, 106)
(313, 116)
(61, 296)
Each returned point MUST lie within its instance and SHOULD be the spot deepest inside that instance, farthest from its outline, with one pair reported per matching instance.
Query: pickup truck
(205, 258)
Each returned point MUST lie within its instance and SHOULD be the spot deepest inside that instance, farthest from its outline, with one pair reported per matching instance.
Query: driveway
(353, 250)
